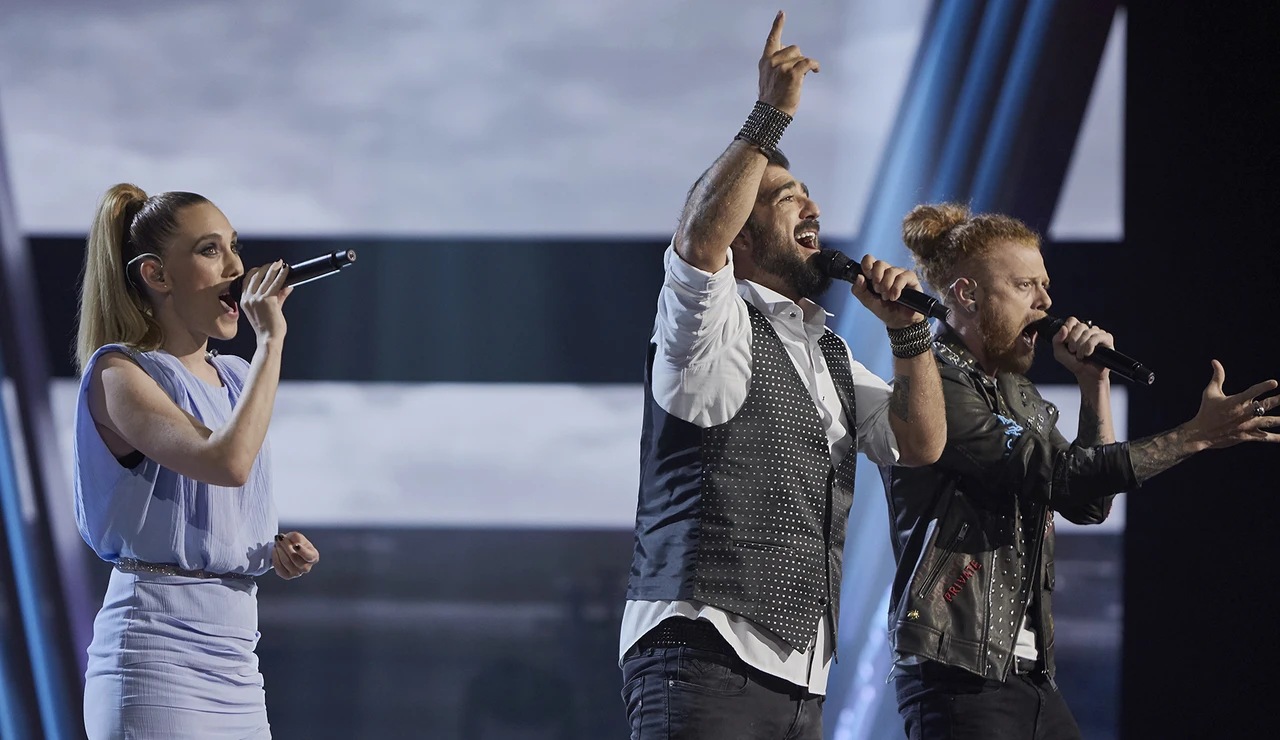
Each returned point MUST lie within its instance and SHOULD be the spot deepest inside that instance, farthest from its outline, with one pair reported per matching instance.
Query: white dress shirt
(702, 374)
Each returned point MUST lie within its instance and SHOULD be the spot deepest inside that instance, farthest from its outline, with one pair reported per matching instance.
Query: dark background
(1201, 251)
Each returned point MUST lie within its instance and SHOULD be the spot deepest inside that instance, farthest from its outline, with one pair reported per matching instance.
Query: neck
(188, 346)
(772, 282)
(972, 340)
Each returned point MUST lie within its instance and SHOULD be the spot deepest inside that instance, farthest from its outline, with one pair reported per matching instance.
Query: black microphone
(304, 272)
(835, 263)
(1122, 365)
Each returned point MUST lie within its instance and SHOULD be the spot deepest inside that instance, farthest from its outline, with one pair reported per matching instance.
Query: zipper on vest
(946, 554)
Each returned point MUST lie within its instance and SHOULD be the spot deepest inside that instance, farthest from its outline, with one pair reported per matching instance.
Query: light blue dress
(172, 656)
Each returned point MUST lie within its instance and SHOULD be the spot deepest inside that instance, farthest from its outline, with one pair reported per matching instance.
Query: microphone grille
(1048, 326)
(832, 262)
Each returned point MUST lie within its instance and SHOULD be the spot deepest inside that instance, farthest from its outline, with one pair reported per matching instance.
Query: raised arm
(1222, 420)
(916, 411)
(1001, 456)
(127, 402)
(721, 200)
(1075, 341)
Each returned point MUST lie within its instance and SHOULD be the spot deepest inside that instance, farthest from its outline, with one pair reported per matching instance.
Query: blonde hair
(946, 237)
(113, 310)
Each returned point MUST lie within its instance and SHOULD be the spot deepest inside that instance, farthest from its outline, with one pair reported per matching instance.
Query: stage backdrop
(458, 425)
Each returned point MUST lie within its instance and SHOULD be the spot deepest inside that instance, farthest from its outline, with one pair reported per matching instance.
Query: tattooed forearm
(1090, 431)
(900, 400)
(1158, 453)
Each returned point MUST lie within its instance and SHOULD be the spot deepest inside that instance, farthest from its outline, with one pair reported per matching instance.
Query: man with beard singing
(754, 416)
(969, 616)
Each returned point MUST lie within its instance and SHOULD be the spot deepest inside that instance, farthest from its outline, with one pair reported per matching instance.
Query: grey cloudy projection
(497, 117)
(489, 117)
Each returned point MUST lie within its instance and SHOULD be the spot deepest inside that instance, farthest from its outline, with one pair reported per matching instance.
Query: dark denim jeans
(689, 694)
(939, 702)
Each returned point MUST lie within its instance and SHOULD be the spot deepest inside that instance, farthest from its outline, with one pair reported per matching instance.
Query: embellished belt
(133, 564)
(678, 632)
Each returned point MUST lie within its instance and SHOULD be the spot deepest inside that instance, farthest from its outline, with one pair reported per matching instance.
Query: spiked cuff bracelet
(764, 127)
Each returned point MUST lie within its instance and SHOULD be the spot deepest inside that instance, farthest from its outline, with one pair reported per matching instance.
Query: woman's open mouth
(229, 305)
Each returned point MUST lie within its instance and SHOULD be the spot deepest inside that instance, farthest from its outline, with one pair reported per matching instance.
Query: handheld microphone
(312, 269)
(1122, 365)
(835, 263)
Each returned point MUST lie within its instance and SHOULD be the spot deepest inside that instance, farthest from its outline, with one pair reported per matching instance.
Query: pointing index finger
(774, 42)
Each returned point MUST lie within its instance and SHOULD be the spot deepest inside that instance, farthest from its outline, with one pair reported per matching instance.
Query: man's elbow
(699, 252)
(922, 452)
(1096, 513)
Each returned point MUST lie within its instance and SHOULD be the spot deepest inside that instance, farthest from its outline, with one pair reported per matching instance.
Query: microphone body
(836, 264)
(312, 269)
(1120, 364)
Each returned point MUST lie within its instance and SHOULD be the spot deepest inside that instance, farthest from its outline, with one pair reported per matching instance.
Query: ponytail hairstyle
(946, 238)
(114, 309)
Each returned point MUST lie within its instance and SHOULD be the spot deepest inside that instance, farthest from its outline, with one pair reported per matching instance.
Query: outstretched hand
(782, 70)
(1225, 420)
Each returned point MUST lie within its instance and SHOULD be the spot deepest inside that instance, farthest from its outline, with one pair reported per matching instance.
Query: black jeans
(939, 702)
(689, 694)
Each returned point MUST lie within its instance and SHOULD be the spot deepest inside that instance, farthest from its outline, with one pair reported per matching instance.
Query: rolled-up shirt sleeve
(698, 312)
(875, 437)
(1087, 509)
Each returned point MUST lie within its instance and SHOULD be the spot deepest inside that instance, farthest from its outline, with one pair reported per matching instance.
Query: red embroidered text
(969, 571)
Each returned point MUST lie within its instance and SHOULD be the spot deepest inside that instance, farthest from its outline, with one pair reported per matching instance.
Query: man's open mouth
(808, 238)
(1029, 335)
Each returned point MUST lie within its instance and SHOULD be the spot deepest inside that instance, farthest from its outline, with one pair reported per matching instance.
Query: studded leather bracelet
(764, 127)
(910, 341)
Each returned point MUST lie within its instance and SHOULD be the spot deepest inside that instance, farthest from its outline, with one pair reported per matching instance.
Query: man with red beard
(969, 619)
(754, 415)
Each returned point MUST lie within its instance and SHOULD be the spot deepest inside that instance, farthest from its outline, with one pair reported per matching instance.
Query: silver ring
(1257, 409)
(1089, 324)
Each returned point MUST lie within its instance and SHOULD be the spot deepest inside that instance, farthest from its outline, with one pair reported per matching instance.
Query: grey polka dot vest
(749, 516)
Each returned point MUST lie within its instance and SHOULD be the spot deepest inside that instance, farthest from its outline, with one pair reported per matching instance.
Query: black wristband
(911, 341)
(764, 127)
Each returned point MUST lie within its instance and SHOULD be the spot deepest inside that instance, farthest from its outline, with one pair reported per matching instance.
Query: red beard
(1002, 342)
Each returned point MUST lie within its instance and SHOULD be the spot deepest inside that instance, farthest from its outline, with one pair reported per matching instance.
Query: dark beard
(1000, 343)
(777, 257)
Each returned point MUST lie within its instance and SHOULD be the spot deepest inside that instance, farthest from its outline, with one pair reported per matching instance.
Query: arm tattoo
(1090, 434)
(1157, 454)
(900, 401)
